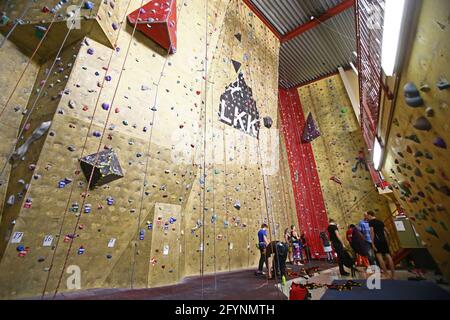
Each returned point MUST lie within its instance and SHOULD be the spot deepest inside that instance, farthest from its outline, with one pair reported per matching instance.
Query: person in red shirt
(349, 233)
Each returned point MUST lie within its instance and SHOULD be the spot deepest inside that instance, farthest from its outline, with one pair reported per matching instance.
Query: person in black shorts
(380, 243)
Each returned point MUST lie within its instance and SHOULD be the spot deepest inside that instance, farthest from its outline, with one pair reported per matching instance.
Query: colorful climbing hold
(423, 124)
(412, 95)
(440, 143)
(88, 5)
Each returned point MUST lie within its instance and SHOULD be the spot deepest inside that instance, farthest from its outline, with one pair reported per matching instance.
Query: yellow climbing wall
(418, 169)
(12, 63)
(233, 171)
(38, 16)
(160, 120)
(336, 151)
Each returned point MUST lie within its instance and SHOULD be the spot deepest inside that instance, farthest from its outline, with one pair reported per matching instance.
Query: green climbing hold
(429, 170)
(413, 137)
(40, 31)
(3, 19)
(418, 154)
(431, 231)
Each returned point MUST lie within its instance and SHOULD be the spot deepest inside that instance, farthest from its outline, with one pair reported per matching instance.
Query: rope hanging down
(264, 176)
(18, 21)
(86, 194)
(22, 129)
(81, 154)
(153, 123)
(28, 64)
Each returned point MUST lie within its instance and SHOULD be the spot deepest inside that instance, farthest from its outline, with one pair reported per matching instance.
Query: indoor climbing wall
(176, 188)
(45, 23)
(311, 212)
(340, 154)
(13, 63)
(237, 188)
(417, 151)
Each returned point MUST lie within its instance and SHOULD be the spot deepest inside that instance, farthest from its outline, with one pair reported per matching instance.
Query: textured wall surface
(161, 121)
(417, 167)
(49, 22)
(311, 213)
(336, 151)
(12, 104)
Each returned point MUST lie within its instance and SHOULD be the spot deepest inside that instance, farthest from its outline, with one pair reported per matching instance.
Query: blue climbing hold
(440, 143)
(110, 201)
(88, 5)
(412, 95)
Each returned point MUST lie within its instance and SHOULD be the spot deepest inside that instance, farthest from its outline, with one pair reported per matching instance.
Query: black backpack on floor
(349, 260)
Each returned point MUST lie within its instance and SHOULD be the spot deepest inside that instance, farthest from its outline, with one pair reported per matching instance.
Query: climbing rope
(148, 148)
(226, 199)
(341, 205)
(262, 170)
(86, 194)
(81, 154)
(203, 207)
(39, 92)
(8, 100)
(18, 21)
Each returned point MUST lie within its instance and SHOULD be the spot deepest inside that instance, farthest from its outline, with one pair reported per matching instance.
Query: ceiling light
(377, 154)
(393, 19)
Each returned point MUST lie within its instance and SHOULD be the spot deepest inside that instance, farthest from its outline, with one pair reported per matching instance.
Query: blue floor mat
(390, 290)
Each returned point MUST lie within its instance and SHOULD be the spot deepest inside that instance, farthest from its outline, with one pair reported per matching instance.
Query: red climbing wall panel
(158, 21)
(309, 201)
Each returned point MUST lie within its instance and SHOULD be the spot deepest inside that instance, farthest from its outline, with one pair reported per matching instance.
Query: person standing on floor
(338, 245)
(359, 245)
(327, 246)
(276, 253)
(263, 241)
(296, 246)
(380, 243)
(364, 227)
(287, 240)
(305, 247)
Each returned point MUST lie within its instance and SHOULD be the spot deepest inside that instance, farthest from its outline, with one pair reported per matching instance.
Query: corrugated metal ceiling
(316, 52)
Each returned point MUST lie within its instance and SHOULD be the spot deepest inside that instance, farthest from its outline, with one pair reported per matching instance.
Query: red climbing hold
(336, 179)
(158, 21)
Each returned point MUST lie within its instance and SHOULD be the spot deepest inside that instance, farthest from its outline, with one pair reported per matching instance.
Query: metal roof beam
(344, 5)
